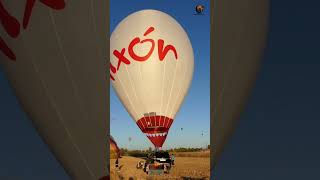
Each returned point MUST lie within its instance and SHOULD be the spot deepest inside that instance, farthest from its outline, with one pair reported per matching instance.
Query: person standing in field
(117, 164)
(172, 159)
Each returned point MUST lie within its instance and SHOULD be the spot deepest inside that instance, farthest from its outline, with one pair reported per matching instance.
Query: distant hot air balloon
(199, 9)
(54, 54)
(114, 149)
(151, 70)
(239, 37)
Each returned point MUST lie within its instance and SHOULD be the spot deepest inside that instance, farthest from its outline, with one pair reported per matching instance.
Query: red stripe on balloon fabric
(154, 122)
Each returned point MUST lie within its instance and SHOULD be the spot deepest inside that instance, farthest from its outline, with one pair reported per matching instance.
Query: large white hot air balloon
(151, 68)
(54, 54)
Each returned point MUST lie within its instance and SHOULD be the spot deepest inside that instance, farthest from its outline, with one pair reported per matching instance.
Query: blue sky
(194, 114)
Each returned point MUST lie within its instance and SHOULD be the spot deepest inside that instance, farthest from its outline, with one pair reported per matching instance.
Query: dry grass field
(205, 154)
(195, 166)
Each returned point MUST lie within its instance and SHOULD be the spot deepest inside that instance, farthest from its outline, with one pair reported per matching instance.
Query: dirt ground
(185, 168)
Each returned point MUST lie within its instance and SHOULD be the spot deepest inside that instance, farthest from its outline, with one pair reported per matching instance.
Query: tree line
(144, 153)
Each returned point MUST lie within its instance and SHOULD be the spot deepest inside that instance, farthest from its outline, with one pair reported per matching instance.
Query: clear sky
(194, 115)
(278, 134)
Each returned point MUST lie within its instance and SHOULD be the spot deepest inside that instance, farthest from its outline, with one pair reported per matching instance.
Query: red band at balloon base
(155, 128)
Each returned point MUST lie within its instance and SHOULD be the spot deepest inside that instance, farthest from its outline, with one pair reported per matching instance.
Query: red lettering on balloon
(6, 50)
(134, 55)
(27, 12)
(148, 31)
(113, 69)
(54, 4)
(111, 77)
(12, 25)
(136, 41)
(121, 57)
(163, 52)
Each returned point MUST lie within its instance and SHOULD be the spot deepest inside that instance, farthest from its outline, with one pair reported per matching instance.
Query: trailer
(156, 163)
(157, 168)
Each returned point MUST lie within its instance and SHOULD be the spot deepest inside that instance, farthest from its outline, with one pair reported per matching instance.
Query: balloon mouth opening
(156, 128)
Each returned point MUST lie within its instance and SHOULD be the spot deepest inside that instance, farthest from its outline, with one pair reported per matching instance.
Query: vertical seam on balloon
(219, 100)
(54, 106)
(127, 95)
(95, 27)
(180, 92)
(220, 97)
(95, 31)
(235, 59)
(93, 19)
(144, 107)
(74, 87)
(133, 90)
(50, 99)
(175, 73)
(132, 86)
(162, 91)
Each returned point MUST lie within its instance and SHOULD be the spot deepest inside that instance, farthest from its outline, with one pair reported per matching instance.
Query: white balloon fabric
(151, 68)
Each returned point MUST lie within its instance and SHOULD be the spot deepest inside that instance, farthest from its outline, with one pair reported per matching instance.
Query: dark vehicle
(163, 157)
(157, 161)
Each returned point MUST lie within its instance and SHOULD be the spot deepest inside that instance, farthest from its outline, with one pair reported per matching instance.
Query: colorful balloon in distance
(151, 68)
(239, 38)
(199, 9)
(54, 56)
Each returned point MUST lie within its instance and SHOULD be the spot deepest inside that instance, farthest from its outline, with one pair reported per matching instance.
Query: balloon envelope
(239, 34)
(151, 70)
(58, 76)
